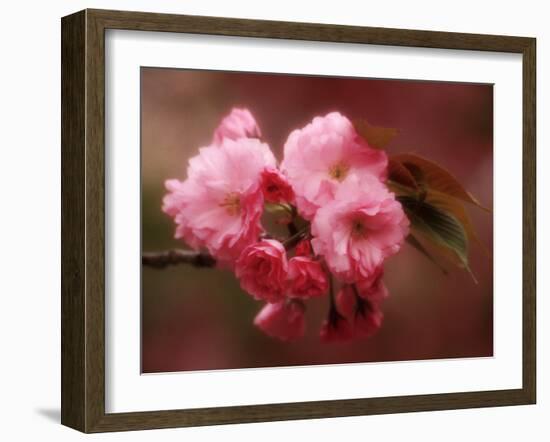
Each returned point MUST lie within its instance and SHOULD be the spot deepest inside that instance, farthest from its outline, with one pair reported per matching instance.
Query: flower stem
(363, 305)
(291, 242)
(331, 291)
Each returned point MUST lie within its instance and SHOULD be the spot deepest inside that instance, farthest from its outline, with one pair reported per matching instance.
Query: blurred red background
(199, 319)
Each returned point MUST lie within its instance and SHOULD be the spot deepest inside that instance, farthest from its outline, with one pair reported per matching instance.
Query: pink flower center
(338, 171)
(232, 203)
(358, 229)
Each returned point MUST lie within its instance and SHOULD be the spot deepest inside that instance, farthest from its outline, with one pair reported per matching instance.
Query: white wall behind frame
(30, 187)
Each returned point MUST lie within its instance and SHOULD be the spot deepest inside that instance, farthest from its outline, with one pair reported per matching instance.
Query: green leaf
(410, 175)
(398, 173)
(456, 208)
(431, 176)
(438, 226)
(376, 136)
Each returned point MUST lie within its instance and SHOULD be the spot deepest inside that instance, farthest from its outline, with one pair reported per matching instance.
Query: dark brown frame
(83, 216)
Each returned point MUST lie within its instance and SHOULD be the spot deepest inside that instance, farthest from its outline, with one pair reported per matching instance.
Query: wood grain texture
(529, 221)
(145, 21)
(83, 220)
(73, 254)
(95, 221)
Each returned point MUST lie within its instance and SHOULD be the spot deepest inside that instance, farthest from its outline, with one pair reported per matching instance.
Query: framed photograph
(266, 220)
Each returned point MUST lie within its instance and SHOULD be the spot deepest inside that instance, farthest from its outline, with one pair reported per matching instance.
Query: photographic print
(295, 220)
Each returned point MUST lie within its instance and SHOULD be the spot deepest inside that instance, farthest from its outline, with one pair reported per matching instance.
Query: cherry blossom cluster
(343, 222)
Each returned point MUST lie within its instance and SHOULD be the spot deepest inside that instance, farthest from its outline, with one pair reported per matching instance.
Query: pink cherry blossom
(336, 329)
(220, 203)
(283, 319)
(306, 278)
(262, 270)
(320, 157)
(364, 314)
(368, 321)
(345, 301)
(373, 287)
(238, 124)
(303, 248)
(360, 228)
(276, 187)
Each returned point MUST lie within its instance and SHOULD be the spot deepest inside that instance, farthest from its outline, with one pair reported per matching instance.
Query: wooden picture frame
(83, 220)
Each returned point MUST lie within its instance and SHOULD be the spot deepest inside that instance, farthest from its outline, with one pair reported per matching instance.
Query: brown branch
(166, 258)
(160, 260)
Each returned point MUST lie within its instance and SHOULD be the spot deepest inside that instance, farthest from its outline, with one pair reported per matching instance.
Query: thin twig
(293, 240)
(160, 260)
